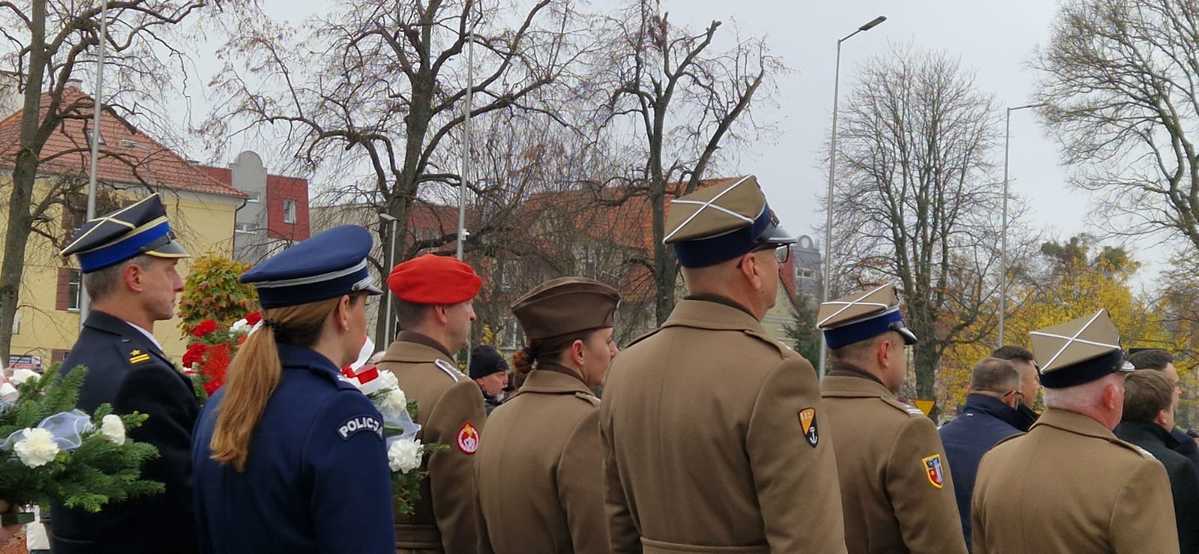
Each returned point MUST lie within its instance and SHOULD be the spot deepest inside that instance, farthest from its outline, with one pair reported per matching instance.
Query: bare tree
(1120, 79)
(686, 100)
(915, 202)
(374, 93)
(45, 45)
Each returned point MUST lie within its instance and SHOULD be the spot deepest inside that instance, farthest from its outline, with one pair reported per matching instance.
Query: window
(253, 197)
(58, 356)
(289, 211)
(16, 323)
(245, 228)
(510, 336)
(69, 291)
(74, 291)
(806, 273)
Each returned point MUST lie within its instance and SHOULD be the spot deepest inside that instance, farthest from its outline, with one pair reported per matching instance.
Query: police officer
(710, 427)
(896, 487)
(1069, 485)
(288, 457)
(541, 465)
(433, 303)
(128, 262)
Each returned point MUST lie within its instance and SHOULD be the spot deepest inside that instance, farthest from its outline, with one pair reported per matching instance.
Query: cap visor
(370, 288)
(909, 338)
(169, 249)
(776, 235)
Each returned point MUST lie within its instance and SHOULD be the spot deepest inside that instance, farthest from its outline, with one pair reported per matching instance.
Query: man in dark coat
(490, 371)
(1149, 404)
(989, 416)
(1163, 361)
(128, 263)
(1030, 383)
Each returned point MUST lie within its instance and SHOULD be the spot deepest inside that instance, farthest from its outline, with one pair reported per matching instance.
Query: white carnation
(393, 403)
(404, 455)
(387, 380)
(19, 376)
(36, 448)
(113, 428)
(239, 327)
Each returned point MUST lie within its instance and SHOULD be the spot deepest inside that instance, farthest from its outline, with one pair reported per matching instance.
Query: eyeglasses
(782, 252)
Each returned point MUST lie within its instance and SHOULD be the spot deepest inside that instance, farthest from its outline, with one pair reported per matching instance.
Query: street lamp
(832, 165)
(1007, 136)
(391, 221)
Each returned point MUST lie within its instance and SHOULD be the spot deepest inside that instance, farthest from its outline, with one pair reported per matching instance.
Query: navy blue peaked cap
(327, 265)
(141, 228)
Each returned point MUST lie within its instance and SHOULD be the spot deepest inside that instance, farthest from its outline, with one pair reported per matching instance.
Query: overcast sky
(995, 40)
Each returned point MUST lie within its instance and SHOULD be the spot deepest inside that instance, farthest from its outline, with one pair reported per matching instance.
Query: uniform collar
(411, 347)
(414, 338)
(294, 356)
(712, 314)
(719, 300)
(111, 324)
(1074, 423)
(853, 386)
(552, 382)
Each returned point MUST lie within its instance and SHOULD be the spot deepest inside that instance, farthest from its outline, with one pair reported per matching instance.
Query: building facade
(132, 165)
(275, 212)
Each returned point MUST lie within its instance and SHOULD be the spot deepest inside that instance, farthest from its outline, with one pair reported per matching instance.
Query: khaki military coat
(714, 441)
(541, 470)
(896, 487)
(1070, 486)
(449, 410)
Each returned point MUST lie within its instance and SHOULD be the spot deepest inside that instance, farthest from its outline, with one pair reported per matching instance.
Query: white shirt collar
(148, 335)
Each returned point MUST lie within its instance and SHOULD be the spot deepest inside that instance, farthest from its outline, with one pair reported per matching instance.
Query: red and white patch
(468, 439)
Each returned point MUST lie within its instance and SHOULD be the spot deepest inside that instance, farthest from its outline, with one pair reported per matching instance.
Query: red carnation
(253, 318)
(204, 328)
(214, 367)
(194, 354)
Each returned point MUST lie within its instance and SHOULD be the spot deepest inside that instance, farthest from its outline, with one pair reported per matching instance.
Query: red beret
(433, 279)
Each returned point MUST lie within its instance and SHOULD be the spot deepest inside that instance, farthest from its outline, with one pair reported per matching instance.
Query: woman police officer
(540, 462)
(287, 457)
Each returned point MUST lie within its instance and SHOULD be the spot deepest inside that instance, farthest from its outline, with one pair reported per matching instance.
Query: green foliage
(213, 292)
(97, 473)
(801, 330)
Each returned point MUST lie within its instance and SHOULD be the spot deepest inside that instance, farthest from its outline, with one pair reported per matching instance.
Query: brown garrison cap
(862, 315)
(719, 223)
(1078, 351)
(566, 305)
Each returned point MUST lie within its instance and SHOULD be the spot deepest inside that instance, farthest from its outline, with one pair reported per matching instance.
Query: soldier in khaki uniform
(713, 437)
(434, 295)
(1069, 485)
(541, 467)
(896, 488)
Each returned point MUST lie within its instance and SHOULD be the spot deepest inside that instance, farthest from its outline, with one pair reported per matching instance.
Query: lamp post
(832, 167)
(85, 302)
(1007, 136)
(391, 221)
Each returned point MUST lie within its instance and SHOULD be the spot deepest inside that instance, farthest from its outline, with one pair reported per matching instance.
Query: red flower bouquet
(213, 346)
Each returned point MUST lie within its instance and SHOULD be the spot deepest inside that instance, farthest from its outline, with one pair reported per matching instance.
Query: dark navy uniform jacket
(316, 480)
(128, 371)
(981, 424)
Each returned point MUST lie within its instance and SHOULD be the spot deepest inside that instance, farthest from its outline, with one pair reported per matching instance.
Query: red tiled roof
(127, 155)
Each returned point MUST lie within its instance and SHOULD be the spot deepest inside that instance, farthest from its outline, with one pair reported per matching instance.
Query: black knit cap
(486, 360)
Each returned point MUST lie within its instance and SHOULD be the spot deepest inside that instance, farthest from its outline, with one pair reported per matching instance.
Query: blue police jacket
(316, 479)
(981, 424)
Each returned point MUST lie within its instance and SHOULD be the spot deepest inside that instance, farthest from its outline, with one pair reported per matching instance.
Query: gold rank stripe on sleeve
(139, 358)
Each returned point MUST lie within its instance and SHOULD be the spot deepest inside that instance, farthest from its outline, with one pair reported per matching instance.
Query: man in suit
(128, 263)
(434, 305)
(896, 488)
(988, 417)
(1069, 485)
(1030, 383)
(712, 433)
(1148, 420)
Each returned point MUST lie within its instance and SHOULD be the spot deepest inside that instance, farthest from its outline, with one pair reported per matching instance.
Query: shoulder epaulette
(903, 407)
(1144, 453)
(588, 397)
